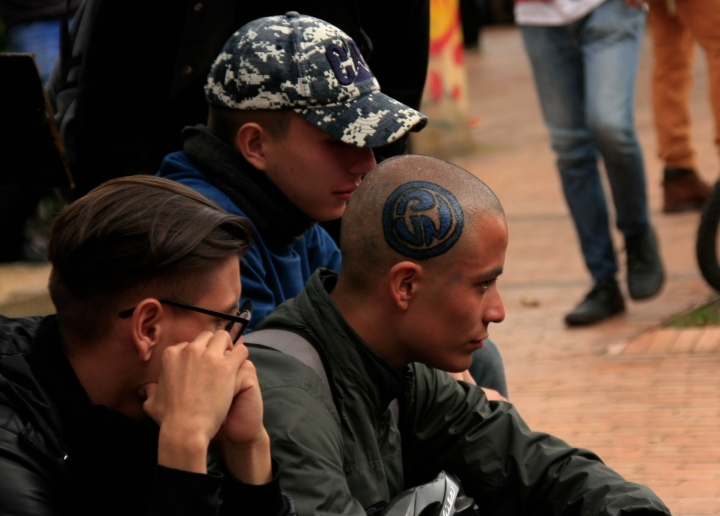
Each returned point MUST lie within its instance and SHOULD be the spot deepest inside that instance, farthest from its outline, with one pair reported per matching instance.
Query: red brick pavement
(648, 403)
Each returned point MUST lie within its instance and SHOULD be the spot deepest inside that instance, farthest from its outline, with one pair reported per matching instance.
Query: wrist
(182, 449)
(249, 462)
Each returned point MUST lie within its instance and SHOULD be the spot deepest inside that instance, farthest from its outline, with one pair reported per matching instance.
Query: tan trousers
(674, 37)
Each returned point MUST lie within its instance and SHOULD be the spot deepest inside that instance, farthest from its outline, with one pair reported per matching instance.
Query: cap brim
(373, 120)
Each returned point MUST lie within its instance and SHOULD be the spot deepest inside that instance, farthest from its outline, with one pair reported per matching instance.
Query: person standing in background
(675, 27)
(584, 56)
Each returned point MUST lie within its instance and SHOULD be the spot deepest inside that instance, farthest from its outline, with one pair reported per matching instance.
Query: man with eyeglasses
(133, 399)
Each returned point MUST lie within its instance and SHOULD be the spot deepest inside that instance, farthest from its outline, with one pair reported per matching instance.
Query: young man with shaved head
(424, 243)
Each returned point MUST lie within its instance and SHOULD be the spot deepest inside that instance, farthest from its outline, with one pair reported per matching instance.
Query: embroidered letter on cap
(362, 70)
(336, 56)
(355, 71)
(422, 220)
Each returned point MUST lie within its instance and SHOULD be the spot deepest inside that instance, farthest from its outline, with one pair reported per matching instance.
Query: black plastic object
(436, 498)
(706, 247)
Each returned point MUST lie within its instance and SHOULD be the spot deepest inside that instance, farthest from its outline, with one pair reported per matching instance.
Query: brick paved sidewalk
(648, 403)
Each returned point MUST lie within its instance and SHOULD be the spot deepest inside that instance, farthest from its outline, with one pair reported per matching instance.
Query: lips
(479, 343)
(346, 194)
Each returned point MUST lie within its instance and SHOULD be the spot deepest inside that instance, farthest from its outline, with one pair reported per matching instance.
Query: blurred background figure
(29, 26)
(471, 14)
(675, 26)
(33, 27)
(475, 14)
(584, 56)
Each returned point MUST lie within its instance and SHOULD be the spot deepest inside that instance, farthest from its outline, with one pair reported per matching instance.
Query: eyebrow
(491, 274)
(233, 308)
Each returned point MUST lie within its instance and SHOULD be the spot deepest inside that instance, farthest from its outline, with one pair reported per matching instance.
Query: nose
(363, 161)
(495, 312)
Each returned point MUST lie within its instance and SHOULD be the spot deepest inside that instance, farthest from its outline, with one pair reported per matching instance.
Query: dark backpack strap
(299, 347)
(291, 344)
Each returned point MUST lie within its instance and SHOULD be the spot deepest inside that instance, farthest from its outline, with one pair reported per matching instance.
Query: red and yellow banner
(445, 99)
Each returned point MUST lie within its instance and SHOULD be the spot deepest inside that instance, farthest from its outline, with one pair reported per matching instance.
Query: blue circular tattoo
(422, 220)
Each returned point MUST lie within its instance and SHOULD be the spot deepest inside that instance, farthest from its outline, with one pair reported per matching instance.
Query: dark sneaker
(683, 190)
(645, 274)
(603, 301)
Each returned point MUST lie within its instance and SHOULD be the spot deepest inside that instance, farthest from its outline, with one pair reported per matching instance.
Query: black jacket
(59, 454)
(343, 453)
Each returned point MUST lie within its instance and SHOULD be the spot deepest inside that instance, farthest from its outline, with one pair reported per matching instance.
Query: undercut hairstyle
(131, 238)
(415, 208)
(225, 123)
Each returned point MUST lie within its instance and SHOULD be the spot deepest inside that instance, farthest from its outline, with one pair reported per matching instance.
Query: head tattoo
(422, 220)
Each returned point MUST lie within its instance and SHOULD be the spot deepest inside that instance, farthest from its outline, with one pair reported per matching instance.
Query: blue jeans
(41, 38)
(585, 77)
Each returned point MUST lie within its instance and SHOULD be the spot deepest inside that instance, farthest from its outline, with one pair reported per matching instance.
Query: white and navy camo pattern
(305, 64)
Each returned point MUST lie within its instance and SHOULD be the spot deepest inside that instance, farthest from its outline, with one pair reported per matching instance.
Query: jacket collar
(274, 216)
(348, 354)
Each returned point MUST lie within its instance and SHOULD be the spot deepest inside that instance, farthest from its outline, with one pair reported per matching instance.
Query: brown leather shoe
(683, 190)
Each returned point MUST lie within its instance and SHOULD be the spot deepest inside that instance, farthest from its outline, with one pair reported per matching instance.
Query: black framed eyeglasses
(236, 326)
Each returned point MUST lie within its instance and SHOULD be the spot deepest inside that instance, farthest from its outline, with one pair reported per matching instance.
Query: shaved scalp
(415, 208)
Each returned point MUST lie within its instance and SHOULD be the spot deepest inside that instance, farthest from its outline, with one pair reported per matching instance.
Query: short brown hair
(225, 123)
(132, 236)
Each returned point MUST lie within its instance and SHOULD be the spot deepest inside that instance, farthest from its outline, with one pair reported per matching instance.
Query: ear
(147, 326)
(405, 278)
(251, 141)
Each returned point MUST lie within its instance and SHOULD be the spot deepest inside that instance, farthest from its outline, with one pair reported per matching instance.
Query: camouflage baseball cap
(307, 65)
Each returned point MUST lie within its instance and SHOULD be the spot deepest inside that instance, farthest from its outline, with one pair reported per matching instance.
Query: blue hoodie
(269, 274)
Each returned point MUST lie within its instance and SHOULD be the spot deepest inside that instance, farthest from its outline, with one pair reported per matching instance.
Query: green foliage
(705, 315)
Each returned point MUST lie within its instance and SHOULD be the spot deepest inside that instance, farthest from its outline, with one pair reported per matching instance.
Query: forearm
(500, 461)
(182, 450)
(249, 463)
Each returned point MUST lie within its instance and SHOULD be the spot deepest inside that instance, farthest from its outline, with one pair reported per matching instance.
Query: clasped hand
(208, 390)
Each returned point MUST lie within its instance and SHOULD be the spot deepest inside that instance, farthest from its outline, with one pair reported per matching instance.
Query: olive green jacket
(343, 453)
